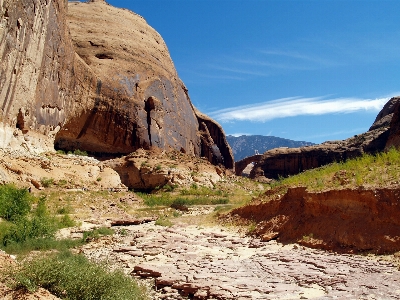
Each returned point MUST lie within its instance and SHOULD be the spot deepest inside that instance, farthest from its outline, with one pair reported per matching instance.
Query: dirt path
(187, 261)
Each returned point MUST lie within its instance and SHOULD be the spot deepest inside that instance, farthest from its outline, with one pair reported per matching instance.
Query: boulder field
(74, 83)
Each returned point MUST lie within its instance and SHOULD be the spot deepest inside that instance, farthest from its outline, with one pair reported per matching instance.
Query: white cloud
(296, 106)
(239, 134)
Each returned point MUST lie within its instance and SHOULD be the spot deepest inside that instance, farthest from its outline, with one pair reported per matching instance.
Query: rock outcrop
(108, 90)
(394, 130)
(291, 161)
(347, 220)
(147, 170)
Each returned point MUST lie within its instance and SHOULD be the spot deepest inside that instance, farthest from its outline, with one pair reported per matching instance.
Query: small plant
(97, 233)
(60, 152)
(308, 237)
(46, 182)
(98, 179)
(251, 228)
(144, 164)
(80, 152)
(169, 187)
(123, 232)
(162, 221)
(158, 167)
(62, 182)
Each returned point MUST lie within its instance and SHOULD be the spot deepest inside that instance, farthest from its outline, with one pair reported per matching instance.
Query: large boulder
(291, 161)
(101, 81)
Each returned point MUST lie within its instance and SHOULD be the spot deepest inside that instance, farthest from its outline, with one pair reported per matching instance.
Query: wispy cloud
(300, 57)
(238, 70)
(296, 106)
(239, 134)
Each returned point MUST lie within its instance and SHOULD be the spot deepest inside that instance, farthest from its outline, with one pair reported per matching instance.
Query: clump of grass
(165, 199)
(78, 152)
(74, 277)
(163, 221)
(203, 191)
(46, 182)
(60, 152)
(62, 182)
(97, 233)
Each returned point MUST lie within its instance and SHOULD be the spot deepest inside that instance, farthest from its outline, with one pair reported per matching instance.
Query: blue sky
(303, 70)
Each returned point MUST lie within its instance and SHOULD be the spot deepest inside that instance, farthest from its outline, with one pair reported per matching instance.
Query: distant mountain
(246, 145)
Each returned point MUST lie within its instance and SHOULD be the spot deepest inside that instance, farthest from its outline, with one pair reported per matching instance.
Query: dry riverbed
(191, 262)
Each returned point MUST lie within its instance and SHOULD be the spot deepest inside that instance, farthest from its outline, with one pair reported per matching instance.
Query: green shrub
(97, 233)
(80, 152)
(39, 225)
(60, 152)
(62, 182)
(47, 182)
(74, 277)
(14, 202)
(163, 222)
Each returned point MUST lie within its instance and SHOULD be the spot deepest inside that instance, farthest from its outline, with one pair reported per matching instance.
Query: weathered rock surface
(394, 131)
(117, 93)
(147, 170)
(346, 220)
(290, 161)
(186, 262)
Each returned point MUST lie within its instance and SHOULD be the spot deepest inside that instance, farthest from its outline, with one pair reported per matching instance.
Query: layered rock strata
(291, 161)
(108, 89)
(348, 220)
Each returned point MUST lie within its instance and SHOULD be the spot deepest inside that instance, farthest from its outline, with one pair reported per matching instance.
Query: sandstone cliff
(285, 161)
(107, 89)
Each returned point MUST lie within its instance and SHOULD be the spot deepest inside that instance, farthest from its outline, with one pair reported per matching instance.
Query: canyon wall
(101, 80)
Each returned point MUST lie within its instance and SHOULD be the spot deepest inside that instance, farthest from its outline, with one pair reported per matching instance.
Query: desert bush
(163, 222)
(14, 202)
(97, 233)
(74, 277)
(46, 182)
(39, 225)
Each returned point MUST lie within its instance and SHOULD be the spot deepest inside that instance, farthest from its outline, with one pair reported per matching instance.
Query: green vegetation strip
(165, 199)
(376, 170)
(74, 277)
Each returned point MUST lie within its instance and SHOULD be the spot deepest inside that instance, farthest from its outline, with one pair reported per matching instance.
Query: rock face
(394, 130)
(104, 89)
(36, 67)
(286, 161)
(348, 220)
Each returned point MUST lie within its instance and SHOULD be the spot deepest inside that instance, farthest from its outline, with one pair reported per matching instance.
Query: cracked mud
(192, 262)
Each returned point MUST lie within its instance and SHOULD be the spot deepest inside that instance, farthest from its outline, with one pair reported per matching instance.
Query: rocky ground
(195, 258)
(212, 262)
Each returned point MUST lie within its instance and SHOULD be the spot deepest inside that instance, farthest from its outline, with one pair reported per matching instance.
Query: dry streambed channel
(192, 262)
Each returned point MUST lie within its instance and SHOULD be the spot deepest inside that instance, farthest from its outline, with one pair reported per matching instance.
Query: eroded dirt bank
(347, 220)
(191, 262)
